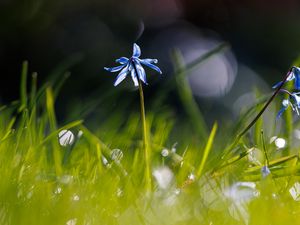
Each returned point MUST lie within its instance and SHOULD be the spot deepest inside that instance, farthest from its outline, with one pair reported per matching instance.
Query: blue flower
(265, 171)
(133, 65)
(293, 101)
(294, 75)
(285, 105)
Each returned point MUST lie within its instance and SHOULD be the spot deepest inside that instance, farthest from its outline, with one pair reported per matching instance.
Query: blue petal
(265, 171)
(297, 99)
(122, 75)
(150, 60)
(146, 63)
(290, 77)
(141, 72)
(297, 78)
(134, 78)
(277, 85)
(122, 60)
(114, 69)
(136, 50)
(281, 111)
(285, 104)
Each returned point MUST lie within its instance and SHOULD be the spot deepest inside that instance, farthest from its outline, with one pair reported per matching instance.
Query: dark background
(263, 35)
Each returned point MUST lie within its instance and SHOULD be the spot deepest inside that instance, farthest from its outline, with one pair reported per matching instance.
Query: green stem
(145, 139)
(243, 132)
(265, 107)
(264, 148)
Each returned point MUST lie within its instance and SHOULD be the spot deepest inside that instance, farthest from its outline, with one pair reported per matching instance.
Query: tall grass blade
(207, 149)
(186, 96)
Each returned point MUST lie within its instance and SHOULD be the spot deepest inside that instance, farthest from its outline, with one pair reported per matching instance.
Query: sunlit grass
(99, 177)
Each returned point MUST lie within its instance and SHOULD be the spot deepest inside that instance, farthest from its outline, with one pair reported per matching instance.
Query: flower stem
(244, 131)
(145, 139)
(265, 107)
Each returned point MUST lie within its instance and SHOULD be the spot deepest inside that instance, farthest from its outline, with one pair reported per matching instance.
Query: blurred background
(84, 36)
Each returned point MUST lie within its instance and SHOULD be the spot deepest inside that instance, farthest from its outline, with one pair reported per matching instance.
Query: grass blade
(187, 97)
(23, 86)
(207, 149)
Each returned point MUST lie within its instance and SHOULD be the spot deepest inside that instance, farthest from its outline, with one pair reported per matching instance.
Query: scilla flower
(265, 171)
(293, 75)
(293, 101)
(133, 65)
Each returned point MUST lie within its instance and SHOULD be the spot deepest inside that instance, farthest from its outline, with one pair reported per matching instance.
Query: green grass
(207, 179)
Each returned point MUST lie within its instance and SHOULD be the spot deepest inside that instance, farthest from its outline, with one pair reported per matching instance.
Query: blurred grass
(100, 177)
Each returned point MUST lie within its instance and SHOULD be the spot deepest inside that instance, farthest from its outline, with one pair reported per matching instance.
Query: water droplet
(295, 191)
(163, 177)
(165, 152)
(119, 192)
(116, 155)
(80, 133)
(105, 162)
(66, 138)
(58, 190)
(241, 191)
(272, 139)
(280, 143)
(75, 197)
(274, 196)
(191, 177)
(72, 221)
(174, 148)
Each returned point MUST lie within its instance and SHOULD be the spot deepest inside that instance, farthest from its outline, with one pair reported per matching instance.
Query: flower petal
(290, 77)
(296, 99)
(297, 77)
(277, 85)
(146, 63)
(150, 60)
(140, 71)
(285, 104)
(136, 50)
(114, 69)
(122, 75)
(134, 78)
(122, 60)
(265, 171)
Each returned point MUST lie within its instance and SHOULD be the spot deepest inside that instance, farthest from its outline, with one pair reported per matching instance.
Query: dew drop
(80, 133)
(105, 162)
(191, 177)
(295, 191)
(75, 198)
(163, 176)
(72, 221)
(116, 155)
(165, 152)
(119, 192)
(280, 143)
(66, 138)
(58, 190)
